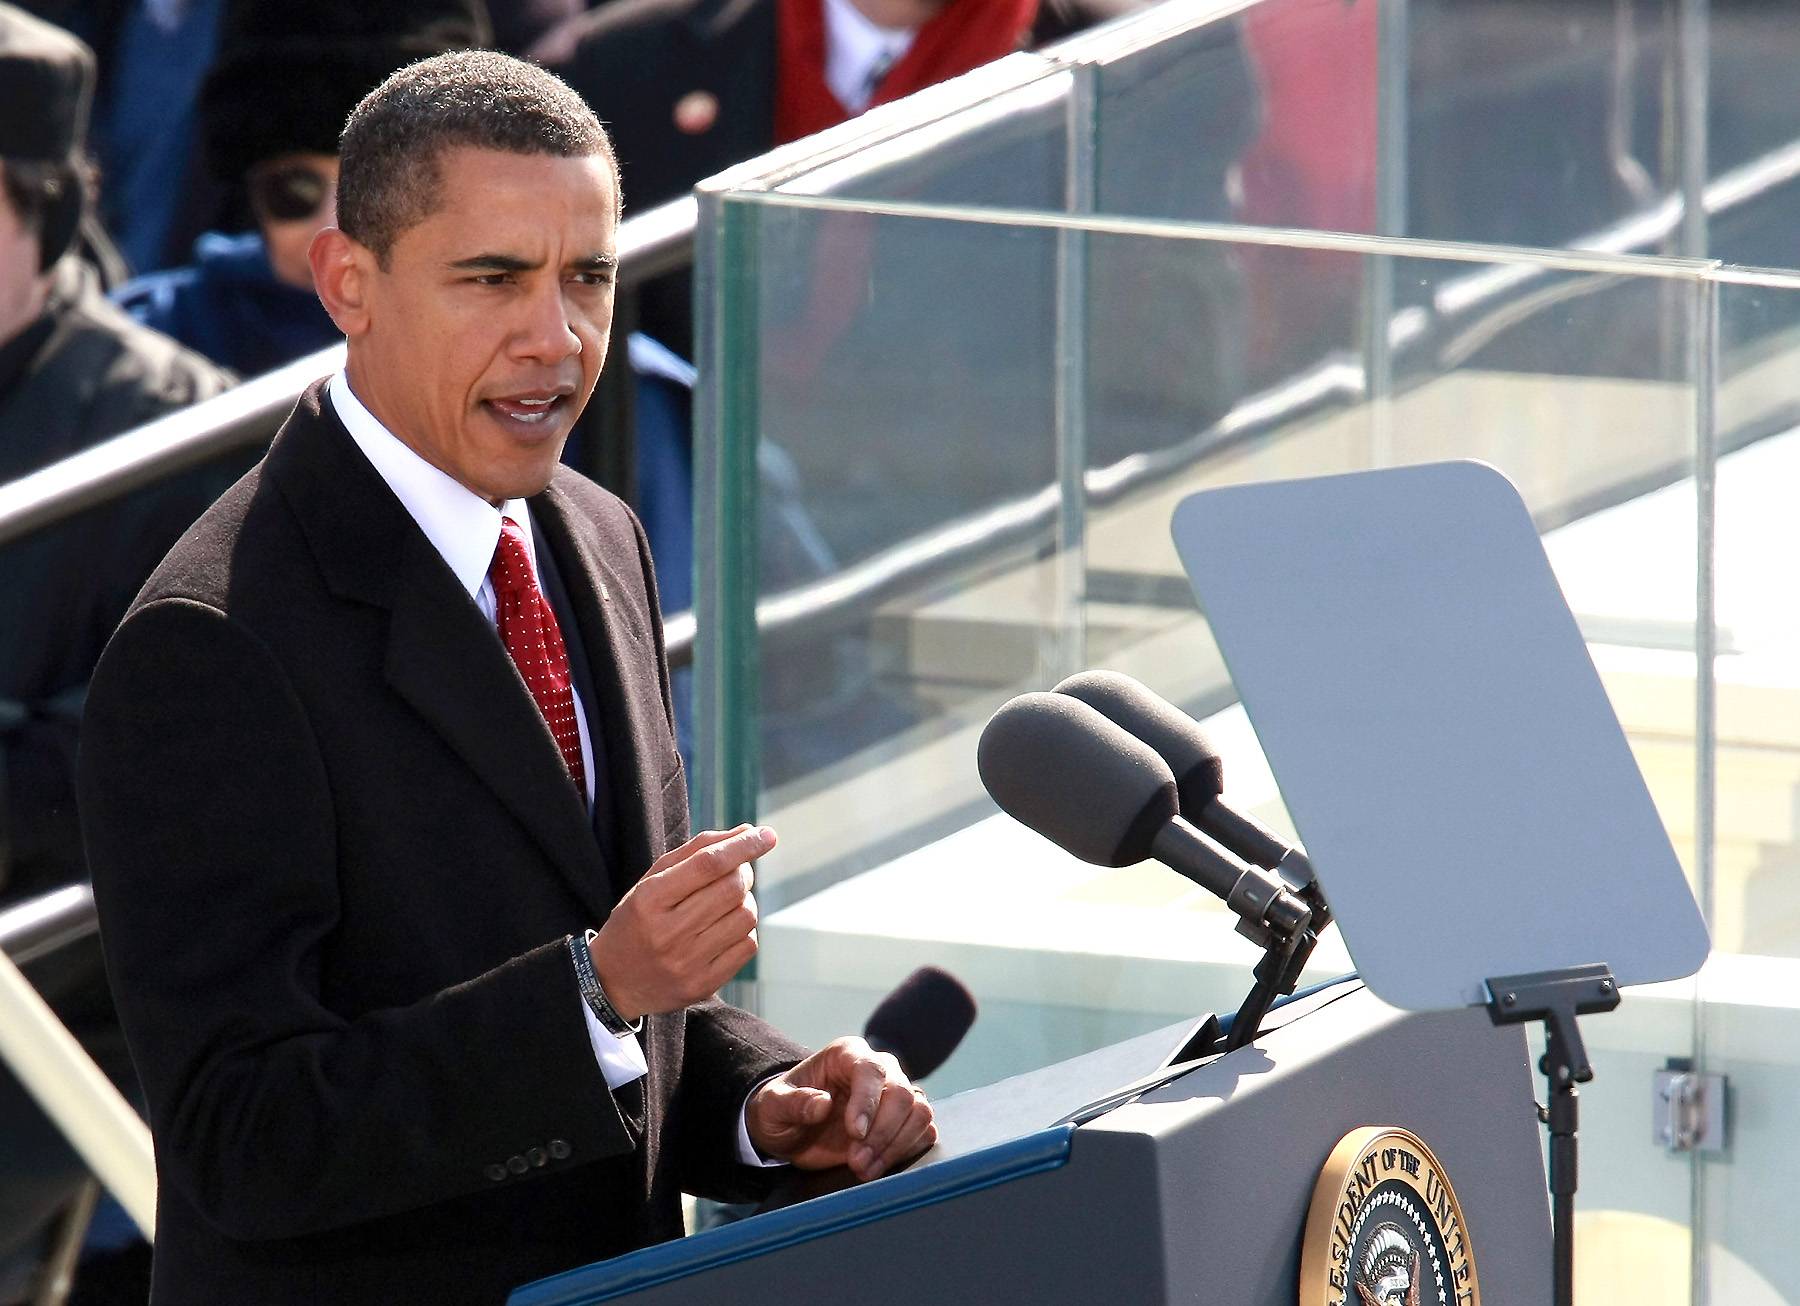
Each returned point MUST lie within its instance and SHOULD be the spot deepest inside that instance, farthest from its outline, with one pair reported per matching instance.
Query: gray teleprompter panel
(1437, 728)
(1198, 1192)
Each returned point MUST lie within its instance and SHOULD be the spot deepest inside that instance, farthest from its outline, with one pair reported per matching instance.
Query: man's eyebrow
(597, 262)
(495, 263)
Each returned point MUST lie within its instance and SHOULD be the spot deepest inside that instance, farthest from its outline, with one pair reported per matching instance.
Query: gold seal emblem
(1385, 1229)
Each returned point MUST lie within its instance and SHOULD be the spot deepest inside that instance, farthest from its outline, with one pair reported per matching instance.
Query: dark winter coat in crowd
(228, 305)
(79, 374)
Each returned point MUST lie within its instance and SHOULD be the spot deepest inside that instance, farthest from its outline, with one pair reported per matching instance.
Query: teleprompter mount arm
(1556, 997)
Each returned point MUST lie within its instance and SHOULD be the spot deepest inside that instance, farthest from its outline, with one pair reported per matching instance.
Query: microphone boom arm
(1275, 911)
(1269, 911)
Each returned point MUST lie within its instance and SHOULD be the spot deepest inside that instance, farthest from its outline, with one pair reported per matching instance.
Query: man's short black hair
(388, 176)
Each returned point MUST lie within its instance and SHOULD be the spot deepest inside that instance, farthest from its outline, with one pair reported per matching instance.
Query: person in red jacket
(690, 87)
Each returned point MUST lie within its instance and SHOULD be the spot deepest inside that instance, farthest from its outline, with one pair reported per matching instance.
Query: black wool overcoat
(337, 858)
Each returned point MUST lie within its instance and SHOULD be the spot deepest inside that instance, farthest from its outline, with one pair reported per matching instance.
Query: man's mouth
(529, 410)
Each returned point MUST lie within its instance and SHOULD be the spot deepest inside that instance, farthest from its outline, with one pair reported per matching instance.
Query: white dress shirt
(858, 53)
(465, 530)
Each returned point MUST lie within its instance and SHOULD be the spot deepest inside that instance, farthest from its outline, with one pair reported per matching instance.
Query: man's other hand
(846, 1104)
(684, 929)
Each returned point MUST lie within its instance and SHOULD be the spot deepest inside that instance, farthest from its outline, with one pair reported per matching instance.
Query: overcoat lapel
(442, 656)
(445, 660)
(622, 662)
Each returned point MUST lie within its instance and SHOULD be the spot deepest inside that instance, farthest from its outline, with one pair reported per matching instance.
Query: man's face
(22, 287)
(481, 340)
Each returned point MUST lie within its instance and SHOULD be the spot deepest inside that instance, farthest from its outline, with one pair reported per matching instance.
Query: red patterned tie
(528, 629)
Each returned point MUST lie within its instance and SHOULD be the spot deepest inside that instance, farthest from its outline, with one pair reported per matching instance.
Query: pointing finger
(716, 859)
(697, 841)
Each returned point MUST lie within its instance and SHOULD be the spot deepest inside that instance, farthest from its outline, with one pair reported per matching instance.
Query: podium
(1491, 855)
(1194, 1191)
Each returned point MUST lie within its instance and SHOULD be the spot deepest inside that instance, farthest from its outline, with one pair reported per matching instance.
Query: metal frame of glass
(1675, 365)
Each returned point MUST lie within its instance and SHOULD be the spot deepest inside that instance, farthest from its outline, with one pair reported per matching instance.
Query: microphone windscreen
(1058, 766)
(922, 1020)
(1139, 710)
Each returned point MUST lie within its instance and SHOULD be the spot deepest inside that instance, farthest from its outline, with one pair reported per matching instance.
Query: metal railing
(40, 926)
(74, 1092)
(661, 240)
(652, 243)
(1479, 305)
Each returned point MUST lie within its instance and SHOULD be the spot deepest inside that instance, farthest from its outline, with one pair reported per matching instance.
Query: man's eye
(593, 278)
(492, 278)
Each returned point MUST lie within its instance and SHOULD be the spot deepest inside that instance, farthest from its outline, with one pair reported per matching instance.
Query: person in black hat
(73, 371)
(286, 76)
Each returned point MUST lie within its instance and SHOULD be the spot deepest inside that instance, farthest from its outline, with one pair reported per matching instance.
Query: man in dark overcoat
(386, 820)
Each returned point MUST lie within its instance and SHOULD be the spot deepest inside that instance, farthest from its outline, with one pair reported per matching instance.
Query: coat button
(537, 1156)
(517, 1164)
(559, 1150)
(496, 1172)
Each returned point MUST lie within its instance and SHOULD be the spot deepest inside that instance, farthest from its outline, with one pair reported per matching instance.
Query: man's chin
(521, 479)
(529, 456)
(523, 485)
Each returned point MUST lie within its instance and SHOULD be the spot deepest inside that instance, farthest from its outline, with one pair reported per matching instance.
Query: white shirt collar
(853, 46)
(461, 525)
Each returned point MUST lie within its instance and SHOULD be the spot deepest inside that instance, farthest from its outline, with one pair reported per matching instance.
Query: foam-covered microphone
(1199, 773)
(922, 1020)
(1097, 791)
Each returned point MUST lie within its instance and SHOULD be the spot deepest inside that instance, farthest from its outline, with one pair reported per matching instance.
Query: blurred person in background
(287, 75)
(159, 195)
(690, 87)
(73, 372)
(152, 55)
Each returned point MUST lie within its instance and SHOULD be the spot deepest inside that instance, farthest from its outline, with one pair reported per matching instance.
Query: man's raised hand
(684, 929)
(846, 1104)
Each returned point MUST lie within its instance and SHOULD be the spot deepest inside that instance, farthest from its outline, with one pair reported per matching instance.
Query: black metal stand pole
(1563, 1116)
(1556, 997)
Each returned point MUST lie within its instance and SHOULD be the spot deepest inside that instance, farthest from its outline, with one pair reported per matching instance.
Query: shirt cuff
(747, 1153)
(621, 1057)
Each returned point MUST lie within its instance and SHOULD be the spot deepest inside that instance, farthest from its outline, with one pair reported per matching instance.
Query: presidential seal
(1385, 1229)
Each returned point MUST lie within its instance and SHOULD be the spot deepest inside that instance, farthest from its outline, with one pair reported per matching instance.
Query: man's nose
(545, 332)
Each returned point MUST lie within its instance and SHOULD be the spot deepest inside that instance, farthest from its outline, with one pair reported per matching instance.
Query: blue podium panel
(1193, 1191)
(809, 1222)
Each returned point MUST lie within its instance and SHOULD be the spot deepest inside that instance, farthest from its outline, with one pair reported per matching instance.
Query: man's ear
(341, 271)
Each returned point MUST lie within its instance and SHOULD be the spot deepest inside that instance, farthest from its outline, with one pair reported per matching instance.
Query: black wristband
(593, 994)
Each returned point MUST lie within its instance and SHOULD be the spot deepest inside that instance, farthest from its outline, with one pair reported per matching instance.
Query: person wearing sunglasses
(287, 74)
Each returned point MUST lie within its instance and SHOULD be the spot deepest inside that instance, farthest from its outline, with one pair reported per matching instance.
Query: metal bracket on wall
(1687, 1109)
